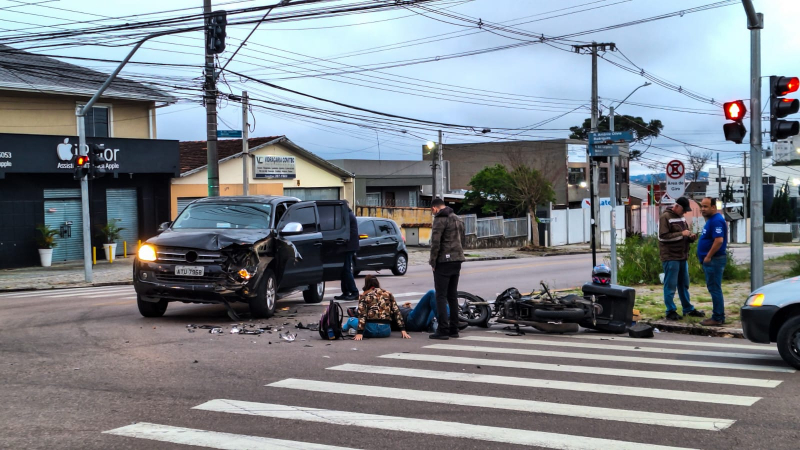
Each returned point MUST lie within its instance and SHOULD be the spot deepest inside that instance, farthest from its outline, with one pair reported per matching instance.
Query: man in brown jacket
(674, 239)
(447, 254)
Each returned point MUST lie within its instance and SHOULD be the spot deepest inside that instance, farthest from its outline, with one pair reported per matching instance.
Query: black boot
(436, 335)
(453, 332)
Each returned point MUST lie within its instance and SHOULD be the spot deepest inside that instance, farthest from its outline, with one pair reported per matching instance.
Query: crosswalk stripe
(587, 412)
(65, 292)
(499, 380)
(630, 359)
(423, 426)
(212, 439)
(637, 349)
(95, 293)
(735, 381)
(762, 348)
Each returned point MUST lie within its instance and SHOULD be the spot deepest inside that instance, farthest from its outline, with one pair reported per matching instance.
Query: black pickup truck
(253, 249)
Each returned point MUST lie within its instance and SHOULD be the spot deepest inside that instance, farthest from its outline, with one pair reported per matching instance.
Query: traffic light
(81, 165)
(97, 161)
(215, 32)
(735, 111)
(781, 107)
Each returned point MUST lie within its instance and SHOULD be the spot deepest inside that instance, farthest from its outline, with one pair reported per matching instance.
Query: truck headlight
(147, 253)
(755, 300)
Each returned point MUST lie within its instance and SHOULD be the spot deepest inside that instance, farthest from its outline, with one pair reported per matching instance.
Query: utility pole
(210, 95)
(594, 171)
(83, 149)
(755, 23)
(245, 147)
(745, 198)
(720, 195)
(612, 194)
(440, 165)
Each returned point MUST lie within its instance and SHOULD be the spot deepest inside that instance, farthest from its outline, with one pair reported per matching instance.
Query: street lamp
(612, 185)
(583, 184)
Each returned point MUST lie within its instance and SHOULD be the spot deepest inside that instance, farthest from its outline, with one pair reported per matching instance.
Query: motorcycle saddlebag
(617, 302)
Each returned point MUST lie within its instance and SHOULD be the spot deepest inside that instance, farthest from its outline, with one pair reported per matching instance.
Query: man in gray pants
(447, 254)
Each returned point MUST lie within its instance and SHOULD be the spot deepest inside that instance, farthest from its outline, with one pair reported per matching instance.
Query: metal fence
(515, 227)
(490, 226)
(470, 223)
(795, 232)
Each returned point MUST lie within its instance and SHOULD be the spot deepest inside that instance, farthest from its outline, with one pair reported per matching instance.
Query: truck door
(308, 270)
(335, 227)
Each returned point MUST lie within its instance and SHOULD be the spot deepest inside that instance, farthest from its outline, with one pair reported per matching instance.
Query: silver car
(772, 314)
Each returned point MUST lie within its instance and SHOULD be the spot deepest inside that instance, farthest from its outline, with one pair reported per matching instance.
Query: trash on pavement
(288, 337)
(641, 330)
(311, 326)
(235, 330)
(217, 330)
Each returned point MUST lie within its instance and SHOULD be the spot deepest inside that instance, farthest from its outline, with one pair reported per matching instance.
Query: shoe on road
(711, 323)
(340, 297)
(672, 315)
(346, 297)
(696, 313)
(453, 334)
(436, 335)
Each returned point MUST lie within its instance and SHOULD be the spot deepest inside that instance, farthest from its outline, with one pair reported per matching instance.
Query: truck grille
(179, 255)
(211, 278)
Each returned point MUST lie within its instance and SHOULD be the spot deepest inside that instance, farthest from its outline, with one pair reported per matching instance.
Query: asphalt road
(82, 369)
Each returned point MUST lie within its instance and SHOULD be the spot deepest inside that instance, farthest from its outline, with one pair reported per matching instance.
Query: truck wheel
(151, 309)
(400, 264)
(315, 293)
(263, 304)
(789, 342)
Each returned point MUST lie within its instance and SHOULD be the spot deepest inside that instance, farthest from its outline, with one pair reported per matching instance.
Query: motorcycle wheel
(474, 315)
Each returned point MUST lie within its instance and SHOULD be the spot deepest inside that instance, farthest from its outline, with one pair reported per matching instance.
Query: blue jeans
(713, 271)
(676, 277)
(420, 318)
(348, 281)
(371, 330)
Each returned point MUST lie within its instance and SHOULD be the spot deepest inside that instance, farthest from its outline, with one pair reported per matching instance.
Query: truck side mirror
(164, 226)
(291, 229)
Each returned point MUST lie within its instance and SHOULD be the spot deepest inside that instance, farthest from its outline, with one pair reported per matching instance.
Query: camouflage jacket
(378, 306)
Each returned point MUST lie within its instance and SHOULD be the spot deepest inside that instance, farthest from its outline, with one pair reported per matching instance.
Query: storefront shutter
(122, 205)
(62, 206)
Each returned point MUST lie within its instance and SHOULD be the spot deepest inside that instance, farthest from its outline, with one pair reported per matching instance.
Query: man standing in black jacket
(447, 254)
(349, 288)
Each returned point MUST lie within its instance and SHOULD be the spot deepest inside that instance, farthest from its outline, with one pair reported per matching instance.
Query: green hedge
(638, 262)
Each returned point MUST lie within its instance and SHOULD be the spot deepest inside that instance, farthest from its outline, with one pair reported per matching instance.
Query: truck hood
(206, 239)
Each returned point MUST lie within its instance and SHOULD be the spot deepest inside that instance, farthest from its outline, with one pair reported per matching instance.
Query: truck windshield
(224, 215)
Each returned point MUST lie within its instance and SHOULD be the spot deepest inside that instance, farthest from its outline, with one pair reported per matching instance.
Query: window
(307, 194)
(330, 217)
(604, 175)
(412, 199)
(304, 216)
(384, 228)
(373, 199)
(97, 122)
(367, 228)
(576, 175)
(224, 215)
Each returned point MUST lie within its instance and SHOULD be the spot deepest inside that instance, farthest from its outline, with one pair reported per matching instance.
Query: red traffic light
(735, 110)
(81, 161)
(786, 85)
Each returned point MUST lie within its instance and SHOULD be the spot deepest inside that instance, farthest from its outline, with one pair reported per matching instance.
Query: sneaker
(453, 334)
(673, 315)
(711, 323)
(696, 313)
(341, 297)
(436, 335)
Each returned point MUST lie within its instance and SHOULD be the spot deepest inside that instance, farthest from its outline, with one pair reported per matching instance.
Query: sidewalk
(68, 274)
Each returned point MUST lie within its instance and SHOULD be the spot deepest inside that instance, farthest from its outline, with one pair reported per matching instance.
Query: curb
(53, 288)
(698, 330)
(491, 258)
(580, 252)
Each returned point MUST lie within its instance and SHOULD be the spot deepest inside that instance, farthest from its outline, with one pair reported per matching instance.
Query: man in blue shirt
(711, 251)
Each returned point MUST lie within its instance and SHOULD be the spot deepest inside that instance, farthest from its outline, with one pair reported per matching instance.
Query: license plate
(191, 271)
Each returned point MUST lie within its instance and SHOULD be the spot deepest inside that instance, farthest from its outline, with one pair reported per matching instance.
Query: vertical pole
(80, 114)
(440, 164)
(612, 194)
(210, 88)
(720, 196)
(594, 172)
(245, 147)
(434, 174)
(756, 187)
(745, 200)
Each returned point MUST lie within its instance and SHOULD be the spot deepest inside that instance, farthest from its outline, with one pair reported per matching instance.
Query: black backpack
(330, 323)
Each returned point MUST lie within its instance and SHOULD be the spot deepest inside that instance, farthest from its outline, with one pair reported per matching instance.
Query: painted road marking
(762, 348)
(688, 377)
(431, 427)
(212, 439)
(630, 359)
(587, 412)
(668, 394)
(583, 345)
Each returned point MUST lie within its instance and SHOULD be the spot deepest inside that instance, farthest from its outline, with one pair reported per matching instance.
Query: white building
(788, 150)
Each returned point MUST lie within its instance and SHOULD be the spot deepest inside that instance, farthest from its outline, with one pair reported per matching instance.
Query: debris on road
(288, 337)
(641, 330)
(311, 326)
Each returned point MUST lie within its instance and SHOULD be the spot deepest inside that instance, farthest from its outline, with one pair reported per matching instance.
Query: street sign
(676, 177)
(609, 137)
(544, 219)
(587, 203)
(667, 200)
(229, 133)
(603, 150)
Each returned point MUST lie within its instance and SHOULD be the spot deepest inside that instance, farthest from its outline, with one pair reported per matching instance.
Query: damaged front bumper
(154, 281)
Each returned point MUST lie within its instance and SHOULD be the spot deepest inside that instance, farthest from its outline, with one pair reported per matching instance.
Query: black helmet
(601, 274)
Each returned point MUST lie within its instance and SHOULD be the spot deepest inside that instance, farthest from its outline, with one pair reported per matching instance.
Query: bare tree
(697, 160)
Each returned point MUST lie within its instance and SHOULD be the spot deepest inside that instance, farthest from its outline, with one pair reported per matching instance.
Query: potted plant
(46, 240)
(110, 233)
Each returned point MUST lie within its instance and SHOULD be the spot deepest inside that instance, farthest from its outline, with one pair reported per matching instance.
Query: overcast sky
(705, 52)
